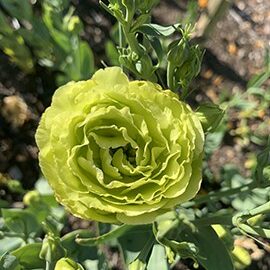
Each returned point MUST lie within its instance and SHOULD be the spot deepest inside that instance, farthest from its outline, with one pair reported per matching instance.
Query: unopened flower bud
(67, 264)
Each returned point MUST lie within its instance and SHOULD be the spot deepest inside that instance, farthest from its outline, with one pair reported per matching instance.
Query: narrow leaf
(212, 253)
(157, 30)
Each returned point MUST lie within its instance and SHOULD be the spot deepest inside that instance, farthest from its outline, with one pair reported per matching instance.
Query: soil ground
(235, 51)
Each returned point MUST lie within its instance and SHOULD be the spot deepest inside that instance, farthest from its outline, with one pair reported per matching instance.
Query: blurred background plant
(47, 43)
(48, 35)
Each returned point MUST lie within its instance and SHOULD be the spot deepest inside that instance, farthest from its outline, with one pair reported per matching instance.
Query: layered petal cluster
(120, 152)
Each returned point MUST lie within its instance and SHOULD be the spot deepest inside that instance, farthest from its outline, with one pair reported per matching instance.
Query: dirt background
(235, 51)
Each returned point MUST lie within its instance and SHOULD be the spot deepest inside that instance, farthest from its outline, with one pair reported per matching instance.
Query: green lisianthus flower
(120, 152)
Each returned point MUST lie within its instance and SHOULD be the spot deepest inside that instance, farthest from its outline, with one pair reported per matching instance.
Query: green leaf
(259, 79)
(212, 253)
(256, 91)
(213, 141)
(79, 65)
(5, 28)
(112, 53)
(210, 115)
(20, 9)
(3, 203)
(86, 61)
(52, 225)
(10, 243)
(157, 30)
(133, 241)
(15, 186)
(9, 262)
(191, 13)
(21, 221)
(28, 256)
(142, 259)
(263, 161)
(103, 264)
(43, 187)
(13, 46)
(158, 259)
(142, 19)
(52, 249)
(76, 251)
(156, 45)
(58, 5)
(52, 18)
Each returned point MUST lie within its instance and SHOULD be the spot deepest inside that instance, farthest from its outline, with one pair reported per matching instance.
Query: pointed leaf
(28, 256)
(212, 254)
(157, 30)
(21, 221)
(158, 259)
(9, 262)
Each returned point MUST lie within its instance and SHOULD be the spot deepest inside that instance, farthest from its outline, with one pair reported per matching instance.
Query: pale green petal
(118, 151)
(110, 77)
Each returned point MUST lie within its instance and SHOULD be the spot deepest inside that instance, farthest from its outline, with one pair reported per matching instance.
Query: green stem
(160, 79)
(170, 77)
(120, 39)
(12, 234)
(172, 226)
(49, 266)
(106, 8)
(130, 13)
(132, 41)
(212, 197)
(120, 35)
(224, 219)
(104, 237)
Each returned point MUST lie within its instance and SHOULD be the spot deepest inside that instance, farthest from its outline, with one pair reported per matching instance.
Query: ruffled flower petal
(120, 152)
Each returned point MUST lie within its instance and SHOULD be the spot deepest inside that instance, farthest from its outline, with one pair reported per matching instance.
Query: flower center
(128, 151)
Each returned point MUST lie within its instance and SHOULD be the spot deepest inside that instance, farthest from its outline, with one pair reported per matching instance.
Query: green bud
(184, 62)
(133, 56)
(225, 235)
(255, 220)
(137, 264)
(67, 264)
(52, 249)
(178, 52)
(210, 116)
(190, 68)
(31, 197)
(115, 10)
(15, 186)
(74, 24)
(241, 258)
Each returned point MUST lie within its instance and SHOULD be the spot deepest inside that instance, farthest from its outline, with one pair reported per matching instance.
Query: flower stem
(212, 197)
